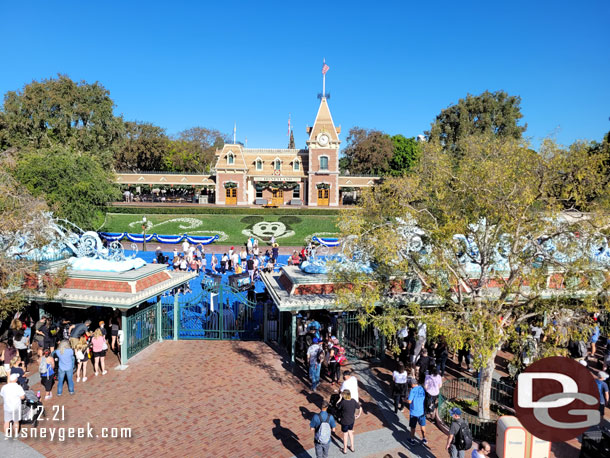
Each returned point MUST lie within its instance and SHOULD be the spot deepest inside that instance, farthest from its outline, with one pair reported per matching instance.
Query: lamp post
(144, 233)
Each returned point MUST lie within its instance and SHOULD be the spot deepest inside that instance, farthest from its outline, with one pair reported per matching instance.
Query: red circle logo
(556, 399)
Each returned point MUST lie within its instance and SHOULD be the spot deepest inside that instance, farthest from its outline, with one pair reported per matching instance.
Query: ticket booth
(511, 438)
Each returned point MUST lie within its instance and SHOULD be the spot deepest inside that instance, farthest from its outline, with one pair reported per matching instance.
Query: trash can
(537, 448)
(511, 438)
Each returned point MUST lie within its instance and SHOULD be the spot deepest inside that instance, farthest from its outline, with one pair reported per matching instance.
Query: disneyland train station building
(270, 177)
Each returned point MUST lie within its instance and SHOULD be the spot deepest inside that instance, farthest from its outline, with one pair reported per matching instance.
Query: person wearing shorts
(350, 411)
(12, 393)
(417, 398)
(98, 342)
(114, 333)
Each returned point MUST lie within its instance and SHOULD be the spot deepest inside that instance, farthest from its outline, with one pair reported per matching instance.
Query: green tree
(291, 141)
(494, 113)
(492, 278)
(61, 111)
(405, 155)
(144, 148)
(368, 151)
(75, 185)
(21, 214)
(195, 148)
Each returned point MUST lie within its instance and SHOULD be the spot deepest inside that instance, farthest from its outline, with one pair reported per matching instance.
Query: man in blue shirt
(417, 396)
(602, 386)
(322, 444)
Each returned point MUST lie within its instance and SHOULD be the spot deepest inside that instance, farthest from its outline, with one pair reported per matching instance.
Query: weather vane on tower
(325, 68)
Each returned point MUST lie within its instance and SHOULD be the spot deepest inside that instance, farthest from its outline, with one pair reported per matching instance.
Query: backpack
(323, 431)
(463, 439)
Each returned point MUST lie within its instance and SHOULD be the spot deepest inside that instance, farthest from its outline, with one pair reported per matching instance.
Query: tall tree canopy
(478, 240)
(368, 151)
(21, 213)
(373, 152)
(75, 185)
(405, 155)
(494, 113)
(61, 111)
(144, 148)
(198, 143)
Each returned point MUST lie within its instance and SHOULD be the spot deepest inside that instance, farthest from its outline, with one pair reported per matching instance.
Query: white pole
(323, 79)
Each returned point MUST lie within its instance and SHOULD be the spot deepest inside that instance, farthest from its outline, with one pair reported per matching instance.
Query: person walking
(441, 353)
(483, 451)
(399, 387)
(47, 373)
(334, 366)
(99, 347)
(460, 438)
(81, 352)
(322, 424)
(432, 385)
(315, 355)
(65, 355)
(350, 382)
(12, 394)
(350, 411)
(602, 386)
(416, 400)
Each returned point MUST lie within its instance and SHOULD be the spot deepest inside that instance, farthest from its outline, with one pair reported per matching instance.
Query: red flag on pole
(325, 68)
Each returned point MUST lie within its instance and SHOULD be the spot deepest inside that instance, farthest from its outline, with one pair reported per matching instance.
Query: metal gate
(360, 342)
(219, 312)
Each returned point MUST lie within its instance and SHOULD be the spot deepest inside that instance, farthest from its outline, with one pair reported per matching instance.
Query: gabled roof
(239, 162)
(324, 123)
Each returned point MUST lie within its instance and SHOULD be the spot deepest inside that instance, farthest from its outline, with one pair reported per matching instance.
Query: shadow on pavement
(290, 440)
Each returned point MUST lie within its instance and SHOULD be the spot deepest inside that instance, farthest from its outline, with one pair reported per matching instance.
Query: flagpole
(323, 79)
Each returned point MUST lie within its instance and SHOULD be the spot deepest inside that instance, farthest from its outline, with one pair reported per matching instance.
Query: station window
(323, 163)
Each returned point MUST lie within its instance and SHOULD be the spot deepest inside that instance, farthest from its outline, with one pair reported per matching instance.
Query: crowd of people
(250, 258)
(63, 352)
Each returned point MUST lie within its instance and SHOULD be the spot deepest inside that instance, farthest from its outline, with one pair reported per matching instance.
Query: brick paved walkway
(199, 398)
(216, 399)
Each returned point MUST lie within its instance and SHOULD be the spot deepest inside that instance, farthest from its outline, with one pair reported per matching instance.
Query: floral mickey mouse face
(268, 229)
(264, 230)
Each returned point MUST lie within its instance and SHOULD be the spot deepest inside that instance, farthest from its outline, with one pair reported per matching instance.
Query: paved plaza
(220, 399)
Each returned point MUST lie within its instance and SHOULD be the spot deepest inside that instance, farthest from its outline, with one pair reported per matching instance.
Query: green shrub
(134, 210)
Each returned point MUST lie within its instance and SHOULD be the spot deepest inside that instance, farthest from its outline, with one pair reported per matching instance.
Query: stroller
(332, 407)
(31, 409)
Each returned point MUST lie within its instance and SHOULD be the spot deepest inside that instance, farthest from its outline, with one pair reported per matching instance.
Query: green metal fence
(219, 312)
(141, 330)
(167, 322)
(464, 392)
(359, 342)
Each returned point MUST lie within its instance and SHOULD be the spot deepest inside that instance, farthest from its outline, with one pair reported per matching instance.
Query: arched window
(323, 162)
(259, 164)
(296, 165)
(277, 164)
(230, 159)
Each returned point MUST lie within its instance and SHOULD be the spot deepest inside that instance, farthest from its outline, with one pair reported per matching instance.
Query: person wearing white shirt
(235, 261)
(185, 247)
(350, 382)
(483, 451)
(12, 393)
(399, 387)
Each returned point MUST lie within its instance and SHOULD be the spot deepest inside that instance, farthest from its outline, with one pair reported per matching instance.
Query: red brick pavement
(199, 398)
(209, 398)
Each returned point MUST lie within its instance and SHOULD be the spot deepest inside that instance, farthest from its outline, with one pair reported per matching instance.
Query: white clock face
(323, 139)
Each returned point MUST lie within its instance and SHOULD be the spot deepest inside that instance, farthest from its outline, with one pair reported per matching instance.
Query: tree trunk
(485, 387)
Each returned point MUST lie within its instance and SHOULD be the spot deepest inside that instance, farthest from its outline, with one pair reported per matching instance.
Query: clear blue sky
(393, 65)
